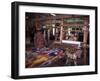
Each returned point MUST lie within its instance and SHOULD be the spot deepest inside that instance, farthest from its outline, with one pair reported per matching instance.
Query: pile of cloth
(49, 51)
(44, 56)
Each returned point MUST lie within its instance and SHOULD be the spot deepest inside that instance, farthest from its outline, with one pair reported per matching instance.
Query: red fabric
(39, 40)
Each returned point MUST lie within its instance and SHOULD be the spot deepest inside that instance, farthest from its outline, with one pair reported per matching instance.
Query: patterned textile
(39, 40)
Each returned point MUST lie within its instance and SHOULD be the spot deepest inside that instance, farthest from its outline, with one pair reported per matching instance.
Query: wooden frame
(15, 39)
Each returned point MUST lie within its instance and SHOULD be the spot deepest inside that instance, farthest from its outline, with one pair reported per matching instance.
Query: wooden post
(85, 35)
(61, 32)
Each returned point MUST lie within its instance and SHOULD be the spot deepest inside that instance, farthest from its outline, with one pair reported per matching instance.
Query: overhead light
(53, 14)
(44, 26)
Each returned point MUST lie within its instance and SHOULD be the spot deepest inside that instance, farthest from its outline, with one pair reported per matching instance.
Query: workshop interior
(54, 40)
